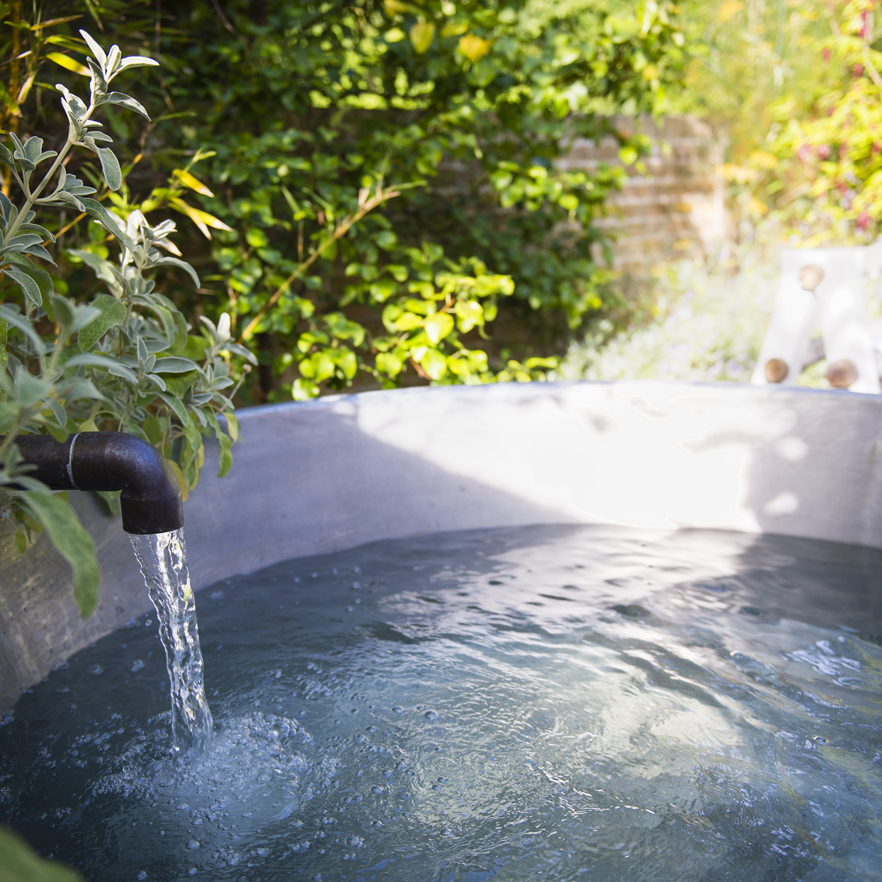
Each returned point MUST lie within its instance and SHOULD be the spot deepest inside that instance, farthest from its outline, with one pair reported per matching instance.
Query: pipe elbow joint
(150, 500)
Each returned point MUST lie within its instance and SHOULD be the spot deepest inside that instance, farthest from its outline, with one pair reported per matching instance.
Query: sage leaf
(174, 364)
(111, 312)
(110, 167)
(72, 541)
(125, 101)
(26, 283)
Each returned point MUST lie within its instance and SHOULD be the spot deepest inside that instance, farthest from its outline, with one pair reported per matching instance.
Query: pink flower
(823, 151)
(863, 221)
(858, 70)
(825, 54)
(804, 153)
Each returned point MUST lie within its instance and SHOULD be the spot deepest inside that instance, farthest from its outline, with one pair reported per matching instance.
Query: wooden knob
(776, 370)
(810, 276)
(841, 374)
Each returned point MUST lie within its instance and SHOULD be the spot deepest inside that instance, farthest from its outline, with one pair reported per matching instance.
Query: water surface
(548, 702)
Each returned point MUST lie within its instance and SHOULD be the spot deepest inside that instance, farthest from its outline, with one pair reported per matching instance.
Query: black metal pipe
(151, 498)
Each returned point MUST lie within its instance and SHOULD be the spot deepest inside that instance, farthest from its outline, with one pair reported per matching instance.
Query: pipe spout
(151, 498)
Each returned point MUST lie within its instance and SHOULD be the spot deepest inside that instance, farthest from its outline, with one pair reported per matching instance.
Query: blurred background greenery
(376, 192)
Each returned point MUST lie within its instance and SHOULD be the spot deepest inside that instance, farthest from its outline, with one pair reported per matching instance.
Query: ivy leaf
(434, 364)
(111, 312)
(437, 327)
(72, 541)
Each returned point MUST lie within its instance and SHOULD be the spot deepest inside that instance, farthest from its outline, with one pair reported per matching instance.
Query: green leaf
(177, 407)
(94, 359)
(22, 323)
(174, 364)
(434, 364)
(125, 101)
(110, 167)
(73, 543)
(178, 384)
(26, 283)
(111, 312)
(20, 864)
(232, 425)
(40, 276)
(226, 457)
(421, 35)
(437, 327)
(180, 264)
(108, 220)
(20, 541)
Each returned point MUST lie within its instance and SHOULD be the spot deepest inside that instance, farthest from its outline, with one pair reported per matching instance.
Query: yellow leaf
(454, 29)
(421, 35)
(763, 159)
(756, 207)
(395, 7)
(69, 63)
(474, 48)
(202, 219)
(728, 10)
(179, 477)
(192, 182)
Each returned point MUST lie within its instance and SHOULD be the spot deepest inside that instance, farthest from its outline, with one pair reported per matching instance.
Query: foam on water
(543, 702)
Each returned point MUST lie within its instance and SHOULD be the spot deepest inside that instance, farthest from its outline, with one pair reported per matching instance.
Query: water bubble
(442, 779)
(386, 773)
(401, 766)
(192, 871)
(142, 875)
(137, 665)
(263, 852)
(431, 716)
(376, 789)
(96, 669)
(192, 844)
(398, 709)
(751, 611)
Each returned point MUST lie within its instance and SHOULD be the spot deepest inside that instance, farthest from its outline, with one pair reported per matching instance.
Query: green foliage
(797, 87)
(19, 864)
(356, 157)
(125, 360)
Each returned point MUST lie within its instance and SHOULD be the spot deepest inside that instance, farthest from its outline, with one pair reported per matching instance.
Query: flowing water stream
(163, 561)
(558, 703)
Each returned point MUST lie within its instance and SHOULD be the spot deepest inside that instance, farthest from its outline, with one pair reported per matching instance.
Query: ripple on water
(509, 704)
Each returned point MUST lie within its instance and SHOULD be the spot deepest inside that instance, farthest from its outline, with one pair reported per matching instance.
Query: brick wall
(678, 207)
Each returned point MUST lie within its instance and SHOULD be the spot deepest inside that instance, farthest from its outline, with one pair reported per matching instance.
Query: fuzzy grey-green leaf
(73, 542)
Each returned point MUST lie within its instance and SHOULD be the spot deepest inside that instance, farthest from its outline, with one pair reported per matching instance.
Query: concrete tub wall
(338, 472)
